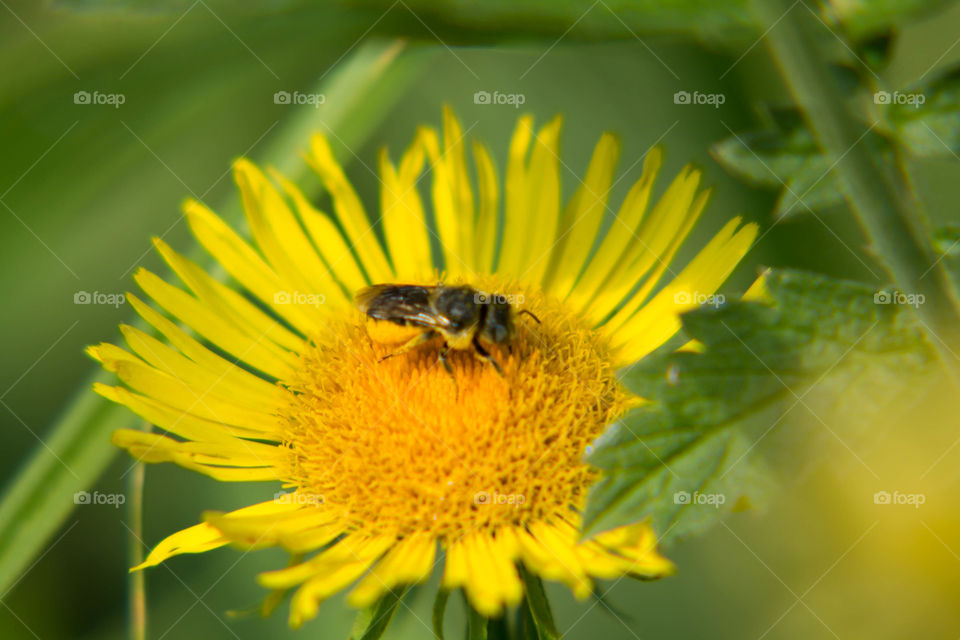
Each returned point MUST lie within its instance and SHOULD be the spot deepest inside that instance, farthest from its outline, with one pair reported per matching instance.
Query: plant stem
(136, 588)
(879, 203)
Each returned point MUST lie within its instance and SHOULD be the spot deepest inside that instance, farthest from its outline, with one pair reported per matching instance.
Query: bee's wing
(405, 303)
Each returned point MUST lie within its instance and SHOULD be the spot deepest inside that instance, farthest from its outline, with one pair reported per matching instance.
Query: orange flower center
(397, 445)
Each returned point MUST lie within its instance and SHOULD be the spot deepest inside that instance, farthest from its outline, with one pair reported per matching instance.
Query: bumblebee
(464, 317)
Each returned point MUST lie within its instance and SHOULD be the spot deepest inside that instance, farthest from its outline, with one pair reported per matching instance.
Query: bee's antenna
(529, 313)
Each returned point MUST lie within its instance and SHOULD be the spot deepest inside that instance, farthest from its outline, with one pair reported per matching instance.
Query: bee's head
(498, 323)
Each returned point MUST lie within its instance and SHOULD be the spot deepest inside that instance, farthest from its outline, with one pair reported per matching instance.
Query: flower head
(386, 462)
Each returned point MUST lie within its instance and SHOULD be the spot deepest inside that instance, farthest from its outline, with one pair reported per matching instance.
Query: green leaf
(439, 609)
(925, 120)
(372, 622)
(360, 93)
(476, 622)
(535, 599)
(776, 379)
(727, 22)
(864, 19)
(788, 161)
(42, 494)
(946, 242)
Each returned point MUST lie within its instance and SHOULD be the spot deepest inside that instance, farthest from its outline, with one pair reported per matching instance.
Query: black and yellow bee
(464, 317)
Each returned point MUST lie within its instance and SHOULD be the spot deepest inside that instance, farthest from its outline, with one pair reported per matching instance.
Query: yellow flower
(386, 461)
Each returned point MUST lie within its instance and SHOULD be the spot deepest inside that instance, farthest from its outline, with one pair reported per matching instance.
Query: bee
(464, 317)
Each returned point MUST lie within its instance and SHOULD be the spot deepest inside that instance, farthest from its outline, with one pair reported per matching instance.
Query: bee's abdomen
(391, 331)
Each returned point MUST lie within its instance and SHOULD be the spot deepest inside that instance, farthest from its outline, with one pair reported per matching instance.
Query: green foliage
(926, 121)
(439, 610)
(538, 616)
(476, 623)
(864, 19)
(818, 357)
(373, 621)
(788, 160)
(946, 242)
(43, 495)
(729, 22)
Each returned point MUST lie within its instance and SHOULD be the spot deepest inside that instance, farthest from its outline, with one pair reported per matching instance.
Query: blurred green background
(83, 187)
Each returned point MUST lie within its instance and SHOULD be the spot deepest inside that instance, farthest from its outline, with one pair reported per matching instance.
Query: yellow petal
(658, 320)
(294, 515)
(215, 328)
(542, 209)
(183, 423)
(404, 222)
(549, 552)
(350, 213)
(196, 539)
(184, 398)
(652, 247)
(240, 461)
(516, 198)
(201, 537)
(621, 235)
(483, 566)
(162, 357)
(326, 238)
(485, 238)
(582, 217)
(408, 562)
(200, 354)
(283, 242)
(453, 207)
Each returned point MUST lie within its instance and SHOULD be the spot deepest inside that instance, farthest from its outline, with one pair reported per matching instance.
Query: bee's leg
(485, 355)
(442, 357)
(413, 343)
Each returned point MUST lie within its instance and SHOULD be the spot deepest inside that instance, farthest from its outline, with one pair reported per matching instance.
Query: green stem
(872, 190)
(136, 588)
